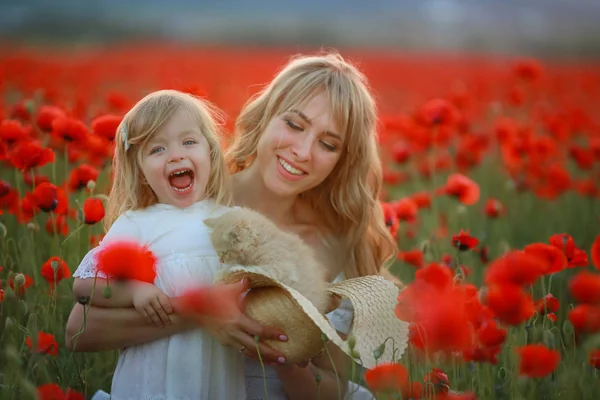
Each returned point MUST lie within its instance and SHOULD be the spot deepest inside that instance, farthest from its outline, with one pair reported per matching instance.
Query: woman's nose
(302, 148)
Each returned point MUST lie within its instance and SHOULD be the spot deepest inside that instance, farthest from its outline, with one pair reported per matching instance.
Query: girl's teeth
(289, 168)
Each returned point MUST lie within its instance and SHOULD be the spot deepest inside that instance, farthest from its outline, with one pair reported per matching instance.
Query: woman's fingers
(252, 348)
(254, 328)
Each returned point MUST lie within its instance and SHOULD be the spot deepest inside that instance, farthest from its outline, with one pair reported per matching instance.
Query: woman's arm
(115, 328)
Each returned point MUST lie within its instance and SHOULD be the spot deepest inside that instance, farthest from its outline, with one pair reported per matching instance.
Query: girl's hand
(152, 303)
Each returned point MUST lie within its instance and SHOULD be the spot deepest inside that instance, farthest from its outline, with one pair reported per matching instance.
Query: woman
(304, 155)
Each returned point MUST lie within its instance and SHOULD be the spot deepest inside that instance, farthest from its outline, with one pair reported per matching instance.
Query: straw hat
(273, 303)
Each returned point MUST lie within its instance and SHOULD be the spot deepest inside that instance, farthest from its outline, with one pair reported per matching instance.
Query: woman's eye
(293, 125)
(329, 146)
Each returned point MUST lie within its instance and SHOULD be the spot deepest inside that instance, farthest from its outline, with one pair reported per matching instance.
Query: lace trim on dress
(87, 267)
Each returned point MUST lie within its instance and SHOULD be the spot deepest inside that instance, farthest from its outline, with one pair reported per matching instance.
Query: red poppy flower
(552, 317)
(127, 260)
(400, 153)
(461, 187)
(406, 209)
(528, 69)
(45, 196)
(515, 267)
(537, 361)
(46, 115)
(30, 154)
(438, 379)
(585, 287)
(54, 270)
(575, 256)
(547, 304)
(463, 241)
(595, 358)
(595, 252)
(585, 318)
(19, 283)
(12, 131)
(57, 224)
(93, 210)
(390, 218)
(553, 258)
(490, 335)
(421, 199)
(106, 125)
(392, 377)
(81, 175)
(69, 129)
(45, 344)
(413, 257)
(509, 303)
(438, 112)
(494, 208)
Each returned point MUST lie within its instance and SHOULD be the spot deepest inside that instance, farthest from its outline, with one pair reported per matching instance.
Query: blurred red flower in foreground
(595, 252)
(438, 310)
(127, 260)
(585, 287)
(388, 377)
(51, 391)
(219, 300)
(537, 361)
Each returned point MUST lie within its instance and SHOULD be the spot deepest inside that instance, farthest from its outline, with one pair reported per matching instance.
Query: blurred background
(543, 28)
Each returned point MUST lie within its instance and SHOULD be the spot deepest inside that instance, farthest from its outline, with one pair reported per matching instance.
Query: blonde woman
(305, 155)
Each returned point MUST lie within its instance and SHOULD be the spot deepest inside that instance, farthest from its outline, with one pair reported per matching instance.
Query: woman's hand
(230, 326)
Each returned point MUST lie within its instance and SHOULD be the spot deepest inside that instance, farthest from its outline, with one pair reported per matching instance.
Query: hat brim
(373, 299)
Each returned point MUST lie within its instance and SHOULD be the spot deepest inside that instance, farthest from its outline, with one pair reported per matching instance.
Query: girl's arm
(94, 288)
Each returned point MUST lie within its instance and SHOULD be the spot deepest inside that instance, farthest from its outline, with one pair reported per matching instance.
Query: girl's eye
(156, 150)
(328, 146)
(293, 125)
(189, 142)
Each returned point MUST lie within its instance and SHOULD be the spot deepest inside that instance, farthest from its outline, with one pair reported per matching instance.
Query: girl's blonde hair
(128, 191)
(348, 200)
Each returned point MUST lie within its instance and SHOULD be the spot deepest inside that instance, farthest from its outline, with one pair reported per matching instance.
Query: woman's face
(300, 148)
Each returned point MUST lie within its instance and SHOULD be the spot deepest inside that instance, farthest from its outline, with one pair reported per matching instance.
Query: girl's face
(176, 161)
(299, 148)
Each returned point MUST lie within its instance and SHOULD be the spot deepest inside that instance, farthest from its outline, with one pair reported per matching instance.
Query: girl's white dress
(185, 366)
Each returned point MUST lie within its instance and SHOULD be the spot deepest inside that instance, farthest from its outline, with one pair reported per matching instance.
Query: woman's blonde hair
(128, 191)
(348, 200)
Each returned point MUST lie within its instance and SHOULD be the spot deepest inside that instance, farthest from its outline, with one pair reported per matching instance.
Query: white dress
(185, 366)
(341, 319)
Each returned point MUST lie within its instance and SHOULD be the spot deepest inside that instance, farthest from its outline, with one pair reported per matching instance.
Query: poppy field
(491, 186)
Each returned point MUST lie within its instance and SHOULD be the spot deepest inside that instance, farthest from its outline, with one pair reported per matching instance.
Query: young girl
(169, 176)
